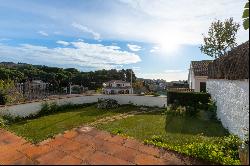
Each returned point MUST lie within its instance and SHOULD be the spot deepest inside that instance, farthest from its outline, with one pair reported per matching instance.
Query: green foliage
(245, 16)
(40, 128)
(222, 150)
(2, 122)
(99, 90)
(178, 110)
(117, 131)
(59, 77)
(191, 99)
(212, 108)
(3, 98)
(152, 93)
(107, 103)
(175, 110)
(221, 38)
(52, 108)
(47, 109)
(157, 138)
(8, 92)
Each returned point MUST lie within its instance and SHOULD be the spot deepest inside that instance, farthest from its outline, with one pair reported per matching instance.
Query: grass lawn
(198, 136)
(39, 129)
(174, 130)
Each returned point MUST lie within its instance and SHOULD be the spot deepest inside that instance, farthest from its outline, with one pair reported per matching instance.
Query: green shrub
(3, 98)
(193, 99)
(178, 110)
(157, 138)
(117, 131)
(211, 107)
(222, 150)
(45, 109)
(2, 122)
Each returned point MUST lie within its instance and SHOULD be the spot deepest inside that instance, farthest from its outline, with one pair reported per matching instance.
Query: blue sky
(156, 38)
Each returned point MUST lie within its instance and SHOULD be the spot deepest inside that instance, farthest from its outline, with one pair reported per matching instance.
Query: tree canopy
(221, 38)
(245, 16)
(60, 77)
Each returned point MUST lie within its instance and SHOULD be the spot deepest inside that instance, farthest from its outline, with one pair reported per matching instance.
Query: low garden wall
(26, 109)
(232, 100)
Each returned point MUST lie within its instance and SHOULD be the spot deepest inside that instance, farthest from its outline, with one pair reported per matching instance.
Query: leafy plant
(222, 150)
(107, 103)
(245, 16)
(117, 131)
(193, 99)
(212, 108)
(3, 98)
(221, 38)
(2, 122)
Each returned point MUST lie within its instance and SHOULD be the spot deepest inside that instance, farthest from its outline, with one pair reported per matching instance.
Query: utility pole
(70, 88)
(132, 82)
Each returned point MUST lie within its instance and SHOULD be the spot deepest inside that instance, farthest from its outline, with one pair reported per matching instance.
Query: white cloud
(64, 43)
(43, 33)
(114, 47)
(155, 49)
(168, 76)
(134, 48)
(136, 68)
(168, 24)
(82, 54)
(174, 71)
(82, 28)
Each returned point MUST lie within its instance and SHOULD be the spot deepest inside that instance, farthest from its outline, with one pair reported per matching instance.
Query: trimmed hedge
(3, 99)
(193, 99)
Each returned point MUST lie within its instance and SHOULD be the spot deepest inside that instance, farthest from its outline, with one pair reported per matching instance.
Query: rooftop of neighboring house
(234, 65)
(116, 81)
(200, 68)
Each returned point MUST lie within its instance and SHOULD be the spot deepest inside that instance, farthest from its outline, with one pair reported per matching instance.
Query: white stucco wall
(27, 109)
(194, 81)
(232, 100)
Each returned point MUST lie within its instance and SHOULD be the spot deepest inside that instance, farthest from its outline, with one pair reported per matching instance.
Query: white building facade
(117, 87)
(198, 75)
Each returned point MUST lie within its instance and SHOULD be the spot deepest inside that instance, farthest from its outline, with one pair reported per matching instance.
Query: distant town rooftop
(116, 81)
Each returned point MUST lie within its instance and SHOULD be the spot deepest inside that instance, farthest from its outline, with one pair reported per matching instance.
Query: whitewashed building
(198, 75)
(117, 87)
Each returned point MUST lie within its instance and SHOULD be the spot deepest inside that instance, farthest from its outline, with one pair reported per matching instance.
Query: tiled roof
(200, 68)
(117, 81)
(232, 66)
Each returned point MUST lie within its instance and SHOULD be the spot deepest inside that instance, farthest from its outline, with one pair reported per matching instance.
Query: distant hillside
(60, 77)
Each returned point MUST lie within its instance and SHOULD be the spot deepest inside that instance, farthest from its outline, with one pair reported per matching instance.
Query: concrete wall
(232, 100)
(27, 109)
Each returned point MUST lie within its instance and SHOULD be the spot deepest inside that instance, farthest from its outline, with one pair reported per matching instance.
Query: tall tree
(245, 16)
(221, 38)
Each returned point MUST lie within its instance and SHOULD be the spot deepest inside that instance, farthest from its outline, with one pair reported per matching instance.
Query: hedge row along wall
(187, 98)
(233, 66)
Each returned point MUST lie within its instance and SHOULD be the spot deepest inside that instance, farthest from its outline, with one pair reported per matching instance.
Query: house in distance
(117, 87)
(198, 75)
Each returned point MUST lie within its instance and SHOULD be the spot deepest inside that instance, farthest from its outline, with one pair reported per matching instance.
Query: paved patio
(85, 145)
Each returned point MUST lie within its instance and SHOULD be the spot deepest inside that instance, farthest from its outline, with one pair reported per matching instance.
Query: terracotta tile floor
(85, 145)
